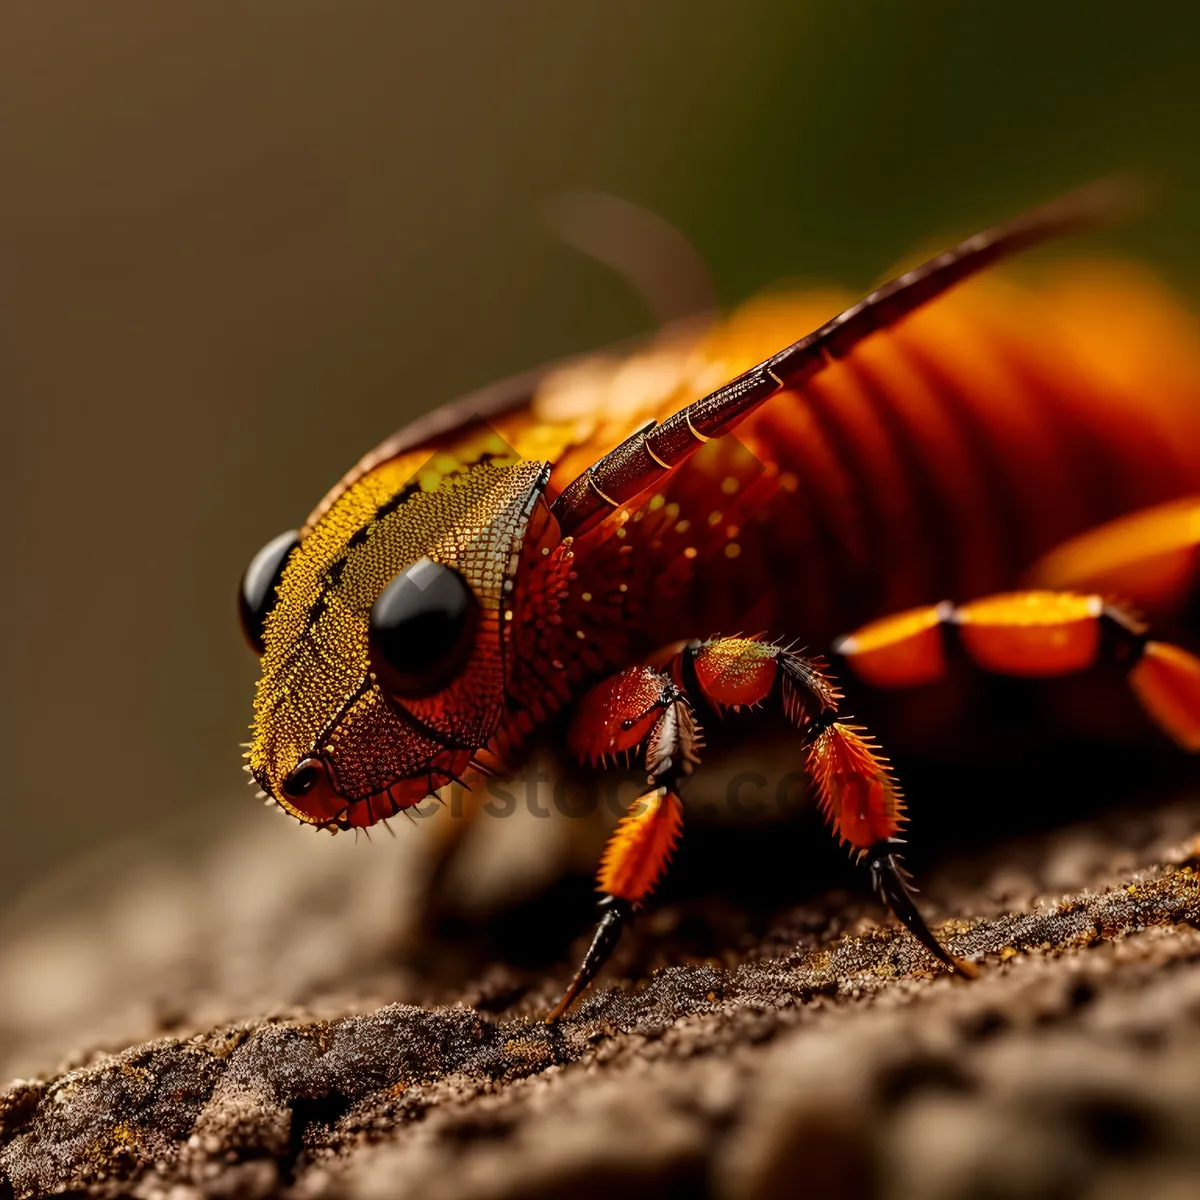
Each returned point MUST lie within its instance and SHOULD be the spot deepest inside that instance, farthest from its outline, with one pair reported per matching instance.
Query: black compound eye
(304, 777)
(422, 630)
(256, 596)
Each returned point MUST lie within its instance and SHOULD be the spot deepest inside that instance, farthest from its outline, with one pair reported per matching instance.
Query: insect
(575, 541)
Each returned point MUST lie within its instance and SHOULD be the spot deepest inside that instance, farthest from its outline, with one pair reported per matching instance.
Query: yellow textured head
(383, 652)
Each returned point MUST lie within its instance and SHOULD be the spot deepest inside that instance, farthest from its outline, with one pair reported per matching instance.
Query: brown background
(240, 242)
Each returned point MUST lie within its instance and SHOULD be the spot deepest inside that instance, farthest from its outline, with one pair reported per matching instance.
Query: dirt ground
(272, 1026)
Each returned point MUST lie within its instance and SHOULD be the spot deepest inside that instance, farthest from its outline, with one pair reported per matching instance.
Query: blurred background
(240, 243)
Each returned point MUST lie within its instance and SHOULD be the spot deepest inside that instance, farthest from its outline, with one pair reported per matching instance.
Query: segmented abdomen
(938, 460)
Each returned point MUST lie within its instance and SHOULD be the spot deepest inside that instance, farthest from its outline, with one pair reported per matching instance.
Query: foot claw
(894, 886)
(614, 911)
(964, 967)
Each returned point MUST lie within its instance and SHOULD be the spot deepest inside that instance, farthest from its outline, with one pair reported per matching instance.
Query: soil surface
(274, 1023)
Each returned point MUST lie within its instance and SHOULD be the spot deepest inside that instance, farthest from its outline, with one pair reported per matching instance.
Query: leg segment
(614, 911)
(858, 794)
(1034, 634)
(639, 709)
(647, 710)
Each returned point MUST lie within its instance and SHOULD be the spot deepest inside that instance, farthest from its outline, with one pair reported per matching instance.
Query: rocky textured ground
(774, 1050)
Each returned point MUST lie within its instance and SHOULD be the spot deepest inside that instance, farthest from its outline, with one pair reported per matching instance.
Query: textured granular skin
(796, 1061)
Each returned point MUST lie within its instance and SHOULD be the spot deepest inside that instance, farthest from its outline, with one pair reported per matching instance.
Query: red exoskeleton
(574, 540)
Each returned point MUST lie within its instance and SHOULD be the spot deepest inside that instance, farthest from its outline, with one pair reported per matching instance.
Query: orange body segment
(736, 671)
(1151, 558)
(1166, 681)
(854, 781)
(903, 650)
(641, 846)
(1035, 634)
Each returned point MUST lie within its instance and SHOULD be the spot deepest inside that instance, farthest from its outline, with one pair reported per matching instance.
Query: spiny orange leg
(858, 794)
(640, 708)
(1034, 634)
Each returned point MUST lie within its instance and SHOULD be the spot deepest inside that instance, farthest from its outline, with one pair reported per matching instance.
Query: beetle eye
(256, 596)
(422, 629)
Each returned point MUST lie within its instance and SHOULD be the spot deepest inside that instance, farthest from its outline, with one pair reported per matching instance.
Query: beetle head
(384, 650)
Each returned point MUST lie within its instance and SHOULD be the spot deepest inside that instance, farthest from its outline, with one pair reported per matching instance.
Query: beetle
(572, 542)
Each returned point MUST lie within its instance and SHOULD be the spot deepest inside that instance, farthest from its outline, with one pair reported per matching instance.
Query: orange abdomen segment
(1150, 558)
(939, 459)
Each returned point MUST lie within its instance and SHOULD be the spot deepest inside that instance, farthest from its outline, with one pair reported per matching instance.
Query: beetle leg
(858, 794)
(894, 885)
(613, 913)
(634, 860)
(1034, 634)
(638, 708)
